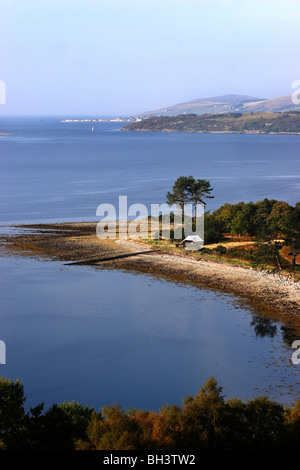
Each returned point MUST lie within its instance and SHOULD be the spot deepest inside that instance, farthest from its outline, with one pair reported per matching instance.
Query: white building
(192, 242)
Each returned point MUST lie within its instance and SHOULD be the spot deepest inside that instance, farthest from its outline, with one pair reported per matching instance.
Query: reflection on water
(263, 326)
(102, 336)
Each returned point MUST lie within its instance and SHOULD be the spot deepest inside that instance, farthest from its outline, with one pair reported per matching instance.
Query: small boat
(92, 128)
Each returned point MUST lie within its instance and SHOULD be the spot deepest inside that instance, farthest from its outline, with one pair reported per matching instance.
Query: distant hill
(258, 123)
(226, 104)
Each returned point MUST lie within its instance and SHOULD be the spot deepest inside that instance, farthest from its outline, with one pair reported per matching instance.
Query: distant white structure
(2, 353)
(192, 242)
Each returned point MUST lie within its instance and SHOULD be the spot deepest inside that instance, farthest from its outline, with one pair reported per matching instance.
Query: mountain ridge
(225, 104)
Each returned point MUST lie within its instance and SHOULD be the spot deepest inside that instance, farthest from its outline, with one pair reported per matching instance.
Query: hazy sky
(121, 57)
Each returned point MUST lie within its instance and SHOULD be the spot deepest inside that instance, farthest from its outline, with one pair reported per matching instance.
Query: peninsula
(245, 123)
(73, 243)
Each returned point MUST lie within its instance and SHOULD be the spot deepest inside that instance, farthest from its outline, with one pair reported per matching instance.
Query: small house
(192, 242)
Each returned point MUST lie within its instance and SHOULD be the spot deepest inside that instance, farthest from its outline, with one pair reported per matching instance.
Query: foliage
(180, 192)
(11, 410)
(243, 220)
(206, 420)
(57, 428)
(187, 189)
(271, 224)
(291, 231)
(213, 228)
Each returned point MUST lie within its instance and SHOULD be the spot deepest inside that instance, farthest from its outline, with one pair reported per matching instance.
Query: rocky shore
(78, 244)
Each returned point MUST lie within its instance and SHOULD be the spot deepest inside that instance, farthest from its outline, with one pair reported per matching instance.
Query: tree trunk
(278, 262)
(294, 260)
(295, 252)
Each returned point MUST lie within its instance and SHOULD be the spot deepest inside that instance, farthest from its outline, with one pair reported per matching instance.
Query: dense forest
(205, 421)
(286, 122)
(266, 217)
(273, 227)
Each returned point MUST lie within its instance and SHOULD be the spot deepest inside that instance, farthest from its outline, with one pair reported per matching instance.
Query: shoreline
(211, 132)
(77, 244)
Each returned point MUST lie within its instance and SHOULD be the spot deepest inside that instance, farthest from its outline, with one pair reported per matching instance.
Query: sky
(123, 57)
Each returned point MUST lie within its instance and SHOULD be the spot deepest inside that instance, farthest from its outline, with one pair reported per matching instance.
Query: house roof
(193, 238)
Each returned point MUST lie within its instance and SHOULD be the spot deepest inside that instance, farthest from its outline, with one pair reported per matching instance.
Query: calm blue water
(103, 336)
(54, 171)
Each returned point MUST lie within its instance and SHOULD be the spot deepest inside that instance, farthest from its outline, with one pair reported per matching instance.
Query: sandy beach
(78, 244)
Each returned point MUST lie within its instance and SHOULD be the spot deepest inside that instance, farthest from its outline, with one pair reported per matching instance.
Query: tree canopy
(206, 420)
(187, 189)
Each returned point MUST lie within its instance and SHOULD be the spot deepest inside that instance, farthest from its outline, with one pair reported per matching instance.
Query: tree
(265, 420)
(202, 417)
(226, 213)
(267, 249)
(266, 232)
(62, 425)
(278, 214)
(242, 222)
(263, 210)
(291, 230)
(213, 228)
(188, 189)
(180, 192)
(12, 412)
(292, 419)
(199, 190)
(113, 429)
